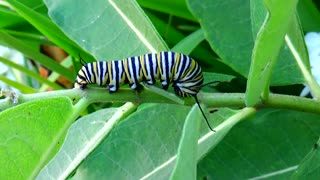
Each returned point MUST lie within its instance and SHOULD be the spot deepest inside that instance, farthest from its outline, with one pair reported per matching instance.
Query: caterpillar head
(81, 81)
(79, 85)
(185, 91)
(189, 86)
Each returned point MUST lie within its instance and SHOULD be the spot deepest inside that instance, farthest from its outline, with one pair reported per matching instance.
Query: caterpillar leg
(138, 90)
(165, 85)
(81, 86)
(136, 86)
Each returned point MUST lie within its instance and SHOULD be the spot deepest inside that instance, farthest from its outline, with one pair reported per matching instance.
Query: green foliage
(187, 151)
(92, 29)
(83, 136)
(309, 15)
(28, 139)
(233, 36)
(159, 136)
(309, 167)
(270, 143)
(267, 47)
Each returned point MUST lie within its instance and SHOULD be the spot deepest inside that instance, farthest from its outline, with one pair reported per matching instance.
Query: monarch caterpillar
(169, 67)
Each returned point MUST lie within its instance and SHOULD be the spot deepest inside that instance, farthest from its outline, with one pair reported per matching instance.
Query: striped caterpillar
(169, 67)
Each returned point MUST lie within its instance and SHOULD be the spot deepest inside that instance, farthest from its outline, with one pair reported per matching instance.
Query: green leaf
(266, 49)
(107, 29)
(29, 73)
(36, 5)
(30, 134)
(309, 15)
(169, 33)
(258, 14)
(211, 77)
(30, 52)
(47, 27)
(138, 146)
(297, 37)
(177, 8)
(229, 29)
(230, 118)
(310, 80)
(213, 80)
(173, 36)
(267, 145)
(33, 39)
(188, 44)
(83, 136)
(186, 162)
(21, 87)
(309, 168)
(11, 18)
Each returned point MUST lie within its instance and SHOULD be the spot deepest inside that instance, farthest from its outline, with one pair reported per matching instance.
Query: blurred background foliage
(47, 38)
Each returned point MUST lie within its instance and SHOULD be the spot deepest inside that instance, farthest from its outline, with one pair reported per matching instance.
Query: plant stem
(231, 100)
(309, 78)
(278, 101)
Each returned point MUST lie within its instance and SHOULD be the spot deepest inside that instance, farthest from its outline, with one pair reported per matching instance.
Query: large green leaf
(176, 8)
(11, 18)
(186, 163)
(30, 134)
(145, 144)
(192, 150)
(309, 168)
(230, 118)
(189, 43)
(45, 26)
(309, 15)
(174, 36)
(267, 46)
(138, 145)
(83, 136)
(230, 31)
(270, 144)
(107, 29)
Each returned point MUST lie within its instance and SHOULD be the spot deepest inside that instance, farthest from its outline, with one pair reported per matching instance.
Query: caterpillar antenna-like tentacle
(197, 101)
(82, 61)
(209, 83)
